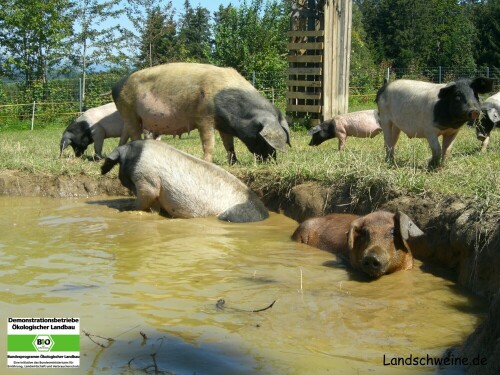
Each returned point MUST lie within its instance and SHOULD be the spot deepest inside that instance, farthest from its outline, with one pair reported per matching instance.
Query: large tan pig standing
(178, 97)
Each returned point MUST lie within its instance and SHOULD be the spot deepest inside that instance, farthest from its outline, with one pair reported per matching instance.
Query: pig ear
(493, 114)
(65, 142)
(353, 232)
(285, 127)
(482, 85)
(447, 90)
(274, 137)
(111, 160)
(407, 227)
(314, 130)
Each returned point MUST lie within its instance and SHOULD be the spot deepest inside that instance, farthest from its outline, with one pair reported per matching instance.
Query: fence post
(80, 93)
(253, 78)
(272, 94)
(440, 79)
(487, 72)
(33, 116)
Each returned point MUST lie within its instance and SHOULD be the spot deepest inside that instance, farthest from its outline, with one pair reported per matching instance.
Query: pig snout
(316, 140)
(474, 113)
(480, 136)
(373, 263)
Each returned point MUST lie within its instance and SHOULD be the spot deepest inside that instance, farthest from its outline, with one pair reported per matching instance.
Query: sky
(210, 5)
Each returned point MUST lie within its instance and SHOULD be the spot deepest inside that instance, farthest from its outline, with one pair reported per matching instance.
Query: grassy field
(468, 172)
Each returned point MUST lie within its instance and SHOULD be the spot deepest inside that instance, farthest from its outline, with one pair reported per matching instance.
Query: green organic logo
(43, 343)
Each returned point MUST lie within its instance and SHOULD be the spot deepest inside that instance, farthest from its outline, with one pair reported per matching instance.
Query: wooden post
(33, 116)
(338, 25)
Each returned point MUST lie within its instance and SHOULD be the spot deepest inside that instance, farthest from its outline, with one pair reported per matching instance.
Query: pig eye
(364, 234)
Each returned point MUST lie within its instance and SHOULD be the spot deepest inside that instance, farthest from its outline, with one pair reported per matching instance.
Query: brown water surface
(125, 272)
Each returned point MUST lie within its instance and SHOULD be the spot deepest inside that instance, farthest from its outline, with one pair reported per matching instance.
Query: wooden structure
(319, 56)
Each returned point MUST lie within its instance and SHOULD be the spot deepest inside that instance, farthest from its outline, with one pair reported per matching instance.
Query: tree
(419, 32)
(143, 37)
(93, 40)
(32, 34)
(485, 16)
(362, 65)
(448, 38)
(159, 38)
(195, 33)
(253, 36)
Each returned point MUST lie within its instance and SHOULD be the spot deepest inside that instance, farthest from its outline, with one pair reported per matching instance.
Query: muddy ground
(460, 235)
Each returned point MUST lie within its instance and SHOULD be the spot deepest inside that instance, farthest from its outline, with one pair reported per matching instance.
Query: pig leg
(391, 136)
(132, 129)
(98, 136)
(484, 144)
(375, 132)
(207, 136)
(448, 140)
(146, 196)
(435, 149)
(341, 136)
(228, 141)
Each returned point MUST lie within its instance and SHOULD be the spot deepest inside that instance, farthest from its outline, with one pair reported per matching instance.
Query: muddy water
(125, 272)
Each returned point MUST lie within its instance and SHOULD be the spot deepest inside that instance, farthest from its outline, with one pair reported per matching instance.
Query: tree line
(416, 33)
(52, 38)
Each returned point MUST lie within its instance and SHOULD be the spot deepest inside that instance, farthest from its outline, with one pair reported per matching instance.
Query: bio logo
(43, 343)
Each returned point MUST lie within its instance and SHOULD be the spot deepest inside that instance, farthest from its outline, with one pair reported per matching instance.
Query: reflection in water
(126, 272)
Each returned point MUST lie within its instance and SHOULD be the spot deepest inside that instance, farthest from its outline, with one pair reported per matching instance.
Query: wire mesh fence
(61, 100)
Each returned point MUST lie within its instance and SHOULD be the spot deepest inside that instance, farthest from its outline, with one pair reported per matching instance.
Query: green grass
(361, 166)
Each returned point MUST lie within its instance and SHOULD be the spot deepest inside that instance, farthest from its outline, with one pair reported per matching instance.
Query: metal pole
(80, 93)
(440, 75)
(33, 116)
(487, 72)
(253, 78)
(388, 74)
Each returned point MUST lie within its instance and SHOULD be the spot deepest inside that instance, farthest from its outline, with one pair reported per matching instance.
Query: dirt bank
(461, 236)
(64, 186)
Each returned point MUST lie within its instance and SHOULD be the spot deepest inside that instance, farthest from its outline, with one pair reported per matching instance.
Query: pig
(93, 126)
(362, 124)
(377, 243)
(429, 110)
(181, 184)
(178, 97)
(490, 118)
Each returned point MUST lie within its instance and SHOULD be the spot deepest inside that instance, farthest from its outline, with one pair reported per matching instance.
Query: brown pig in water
(179, 97)
(182, 185)
(377, 243)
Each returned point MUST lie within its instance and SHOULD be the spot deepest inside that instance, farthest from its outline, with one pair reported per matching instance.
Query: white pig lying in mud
(183, 185)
